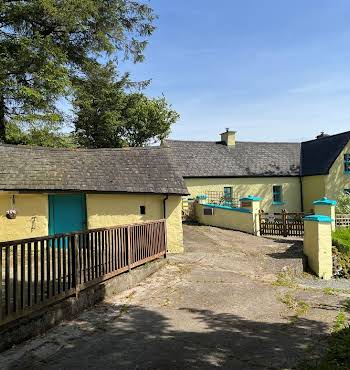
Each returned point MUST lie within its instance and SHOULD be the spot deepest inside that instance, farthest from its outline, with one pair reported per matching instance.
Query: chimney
(229, 138)
(321, 135)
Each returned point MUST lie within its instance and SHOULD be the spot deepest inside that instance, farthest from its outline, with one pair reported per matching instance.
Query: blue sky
(269, 69)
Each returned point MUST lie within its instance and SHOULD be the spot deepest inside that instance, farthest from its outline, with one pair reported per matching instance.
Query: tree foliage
(109, 115)
(343, 203)
(45, 46)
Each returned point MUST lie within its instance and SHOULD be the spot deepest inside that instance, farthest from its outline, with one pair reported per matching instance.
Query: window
(277, 194)
(142, 210)
(347, 163)
(228, 195)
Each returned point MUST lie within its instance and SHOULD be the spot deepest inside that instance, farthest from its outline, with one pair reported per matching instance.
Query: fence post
(129, 248)
(76, 268)
(284, 221)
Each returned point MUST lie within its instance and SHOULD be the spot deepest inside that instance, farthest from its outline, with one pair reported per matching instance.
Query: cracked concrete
(218, 305)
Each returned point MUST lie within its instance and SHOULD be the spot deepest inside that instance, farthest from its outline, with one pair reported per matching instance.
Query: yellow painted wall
(104, 210)
(337, 180)
(227, 219)
(318, 248)
(314, 188)
(32, 216)
(260, 187)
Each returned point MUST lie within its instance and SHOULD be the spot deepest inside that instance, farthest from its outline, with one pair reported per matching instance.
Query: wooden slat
(23, 280)
(48, 269)
(36, 272)
(69, 255)
(64, 270)
(29, 282)
(53, 261)
(59, 265)
(15, 278)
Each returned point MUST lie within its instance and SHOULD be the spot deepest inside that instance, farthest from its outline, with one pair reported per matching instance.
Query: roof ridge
(244, 142)
(327, 137)
(20, 146)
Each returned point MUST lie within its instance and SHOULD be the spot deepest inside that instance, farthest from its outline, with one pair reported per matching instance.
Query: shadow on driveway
(138, 338)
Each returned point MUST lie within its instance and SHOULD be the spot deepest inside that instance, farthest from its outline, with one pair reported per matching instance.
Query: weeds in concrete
(300, 308)
(331, 291)
(285, 279)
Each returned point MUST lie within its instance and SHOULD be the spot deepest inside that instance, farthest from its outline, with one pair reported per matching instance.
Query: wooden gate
(282, 224)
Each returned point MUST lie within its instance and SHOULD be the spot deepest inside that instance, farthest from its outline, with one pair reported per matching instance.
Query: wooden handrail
(52, 237)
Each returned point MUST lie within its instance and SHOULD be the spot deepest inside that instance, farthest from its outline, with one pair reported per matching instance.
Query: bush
(341, 253)
(341, 240)
(343, 203)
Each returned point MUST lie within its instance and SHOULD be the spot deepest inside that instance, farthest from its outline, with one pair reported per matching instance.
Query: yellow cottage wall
(337, 180)
(260, 187)
(227, 219)
(32, 216)
(104, 210)
(314, 188)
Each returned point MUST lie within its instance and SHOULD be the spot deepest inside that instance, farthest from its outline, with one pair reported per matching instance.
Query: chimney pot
(321, 135)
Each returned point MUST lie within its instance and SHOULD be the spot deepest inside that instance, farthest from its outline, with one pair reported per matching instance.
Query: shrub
(341, 240)
(343, 203)
(341, 253)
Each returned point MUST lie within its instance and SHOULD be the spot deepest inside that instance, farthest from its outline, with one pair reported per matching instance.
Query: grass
(285, 279)
(300, 308)
(337, 356)
(341, 239)
(331, 291)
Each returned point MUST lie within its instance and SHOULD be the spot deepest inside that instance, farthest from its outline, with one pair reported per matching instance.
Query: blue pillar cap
(250, 198)
(325, 202)
(318, 218)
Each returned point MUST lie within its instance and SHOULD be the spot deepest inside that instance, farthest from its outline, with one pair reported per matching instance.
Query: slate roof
(319, 155)
(246, 159)
(137, 170)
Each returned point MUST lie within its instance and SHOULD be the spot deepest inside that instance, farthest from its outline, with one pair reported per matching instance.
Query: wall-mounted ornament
(11, 214)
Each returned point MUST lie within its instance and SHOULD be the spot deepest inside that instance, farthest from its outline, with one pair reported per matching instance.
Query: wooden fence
(37, 272)
(282, 224)
(342, 220)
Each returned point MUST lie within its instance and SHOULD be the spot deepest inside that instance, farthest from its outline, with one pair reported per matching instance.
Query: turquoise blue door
(67, 213)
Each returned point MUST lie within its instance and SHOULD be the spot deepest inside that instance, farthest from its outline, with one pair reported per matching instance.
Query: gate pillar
(326, 207)
(318, 244)
(253, 204)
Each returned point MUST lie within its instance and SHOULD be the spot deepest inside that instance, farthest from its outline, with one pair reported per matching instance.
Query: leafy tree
(45, 45)
(108, 115)
(40, 136)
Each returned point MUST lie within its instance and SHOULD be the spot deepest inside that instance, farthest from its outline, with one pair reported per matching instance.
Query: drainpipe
(164, 205)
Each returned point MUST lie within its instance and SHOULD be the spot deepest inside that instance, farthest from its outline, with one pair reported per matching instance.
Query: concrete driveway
(232, 301)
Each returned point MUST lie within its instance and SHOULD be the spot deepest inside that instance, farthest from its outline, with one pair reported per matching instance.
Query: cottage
(286, 175)
(49, 191)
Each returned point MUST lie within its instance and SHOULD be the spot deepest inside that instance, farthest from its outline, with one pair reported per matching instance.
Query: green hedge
(341, 240)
